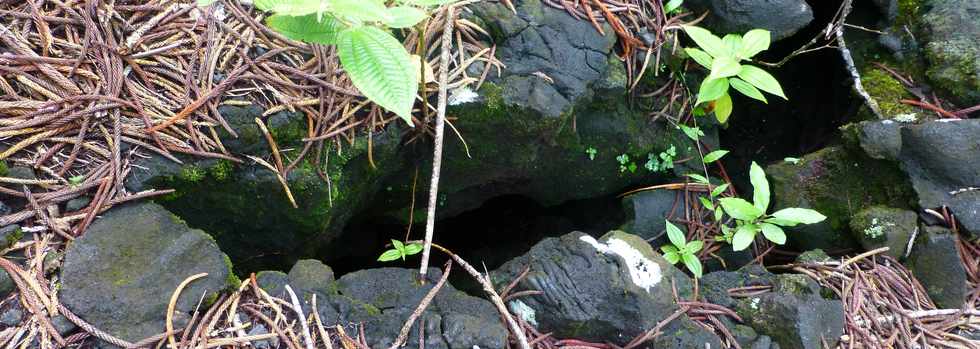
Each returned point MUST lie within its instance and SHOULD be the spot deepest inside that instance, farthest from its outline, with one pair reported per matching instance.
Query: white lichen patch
(755, 303)
(523, 311)
(462, 95)
(643, 272)
(877, 228)
(906, 118)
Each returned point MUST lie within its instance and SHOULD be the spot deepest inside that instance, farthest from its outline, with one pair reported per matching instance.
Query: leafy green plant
(376, 62)
(751, 218)
(625, 163)
(591, 151)
(723, 57)
(661, 162)
(673, 6)
(681, 250)
(400, 251)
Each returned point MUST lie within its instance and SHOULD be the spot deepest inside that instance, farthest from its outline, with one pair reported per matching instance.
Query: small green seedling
(591, 152)
(400, 250)
(662, 162)
(751, 218)
(681, 250)
(625, 163)
(673, 6)
(75, 180)
(723, 57)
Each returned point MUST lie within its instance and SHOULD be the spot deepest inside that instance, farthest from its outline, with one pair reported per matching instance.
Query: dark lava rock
(607, 290)
(952, 48)
(881, 139)
(11, 316)
(880, 226)
(942, 158)
(77, 203)
(647, 211)
(307, 278)
(837, 182)
(782, 17)
(120, 275)
(382, 299)
(935, 262)
(793, 314)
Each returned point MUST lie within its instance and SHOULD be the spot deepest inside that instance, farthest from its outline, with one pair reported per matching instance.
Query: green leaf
(390, 255)
(380, 68)
(412, 249)
(404, 16)
(755, 41)
(740, 209)
(694, 246)
(701, 57)
(743, 236)
(761, 79)
(718, 213)
(746, 89)
(669, 248)
(706, 41)
(711, 90)
(675, 235)
(306, 28)
(723, 108)
(719, 189)
(698, 178)
(760, 187)
(693, 264)
(203, 3)
(723, 67)
(398, 245)
(291, 7)
(733, 42)
(428, 3)
(672, 257)
(798, 215)
(706, 202)
(693, 133)
(773, 233)
(360, 10)
(714, 156)
(672, 5)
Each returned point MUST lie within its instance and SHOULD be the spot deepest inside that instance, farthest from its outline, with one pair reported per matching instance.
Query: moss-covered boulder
(308, 278)
(837, 182)
(245, 207)
(781, 17)
(935, 262)
(120, 275)
(951, 36)
(880, 226)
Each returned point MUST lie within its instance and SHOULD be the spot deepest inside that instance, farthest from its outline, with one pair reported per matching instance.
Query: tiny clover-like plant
(680, 250)
(723, 57)
(591, 152)
(625, 164)
(400, 251)
(751, 218)
(662, 162)
(376, 62)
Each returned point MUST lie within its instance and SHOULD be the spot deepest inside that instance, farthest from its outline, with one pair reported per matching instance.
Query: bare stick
(302, 318)
(430, 220)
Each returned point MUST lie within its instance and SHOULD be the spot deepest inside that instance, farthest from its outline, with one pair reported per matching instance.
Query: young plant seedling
(723, 58)
(400, 250)
(681, 250)
(591, 151)
(751, 218)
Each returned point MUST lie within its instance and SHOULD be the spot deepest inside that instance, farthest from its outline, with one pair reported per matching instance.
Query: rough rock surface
(120, 275)
(952, 48)
(793, 314)
(935, 262)
(307, 278)
(607, 290)
(782, 17)
(880, 226)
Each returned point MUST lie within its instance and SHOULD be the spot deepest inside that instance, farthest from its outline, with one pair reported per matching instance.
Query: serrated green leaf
(798, 215)
(672, 257)
(291, 7)
(719, 190)
(675, 235)
(360, 10)
(755, 41)
(761, 79)
(740, 209)
(746, 89)
(672, 5)
(380, 68)
(698, 178)
(723, 67)
(711, 90)
(723, 108)
(404, 16)
(714, 156)
(693, 264)
(390, 255)
(743, 236)
(306, 28)
(701, 57)
(760, 187)
(773, 233)
(706, 41)
(412, 249)
(733, 42)
(694, 246)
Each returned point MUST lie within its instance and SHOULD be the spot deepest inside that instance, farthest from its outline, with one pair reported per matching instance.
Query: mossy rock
(881, 226)
(935, 262)
(837, 182)
(951, 33)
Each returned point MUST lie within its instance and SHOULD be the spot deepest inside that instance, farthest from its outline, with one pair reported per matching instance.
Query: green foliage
(723, 58)
(591, 151)
(673, 6)
(400, 251)
(751, 218)
(680, 250)
(625, 163)
(661, 162)
(714, 156)
(376, 62)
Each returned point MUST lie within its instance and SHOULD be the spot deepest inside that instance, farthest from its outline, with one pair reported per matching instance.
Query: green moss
(232, 281)
(3, 168)
(13, 237)
(887, 91)
(192, 173)
(221, 170)
(908, 12)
